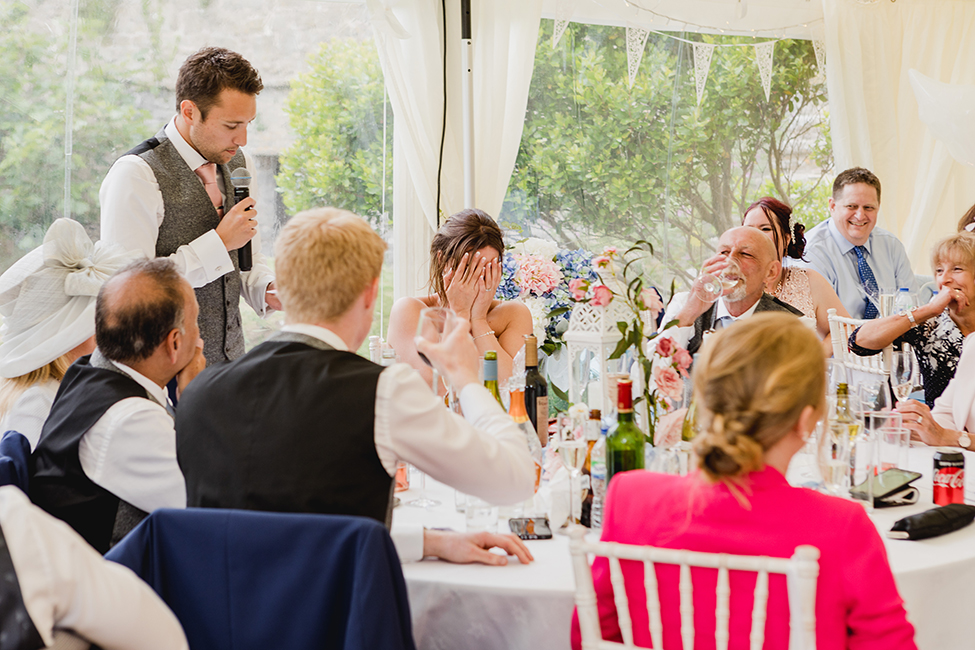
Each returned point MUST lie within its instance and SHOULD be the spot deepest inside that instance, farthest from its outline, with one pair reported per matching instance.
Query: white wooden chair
(801, 570)
(840, 330)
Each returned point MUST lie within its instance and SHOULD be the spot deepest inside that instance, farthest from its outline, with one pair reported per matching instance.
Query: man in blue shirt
(859, 259)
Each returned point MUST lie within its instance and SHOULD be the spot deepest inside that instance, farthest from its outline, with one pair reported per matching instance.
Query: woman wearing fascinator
(759, 387)
(47, 301)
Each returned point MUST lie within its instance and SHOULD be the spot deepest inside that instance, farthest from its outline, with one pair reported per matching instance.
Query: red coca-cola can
(949, 477)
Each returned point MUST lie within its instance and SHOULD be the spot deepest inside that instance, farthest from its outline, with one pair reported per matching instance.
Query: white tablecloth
(530, 607)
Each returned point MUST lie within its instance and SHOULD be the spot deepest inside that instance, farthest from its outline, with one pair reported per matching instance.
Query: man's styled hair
(855, 175)
(209, 71)
(324, 259)
(137, 308)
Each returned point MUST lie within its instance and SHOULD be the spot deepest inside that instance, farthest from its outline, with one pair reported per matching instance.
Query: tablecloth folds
(253, 580)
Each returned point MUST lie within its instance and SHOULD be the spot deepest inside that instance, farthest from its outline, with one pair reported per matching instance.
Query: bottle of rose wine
(625, 443)
(536, 391)
(491, 374)
(518, 414)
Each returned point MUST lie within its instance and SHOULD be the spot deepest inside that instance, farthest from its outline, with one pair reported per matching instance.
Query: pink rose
(649, 300)
(665, 346)
(667, 433)
(536, 275)
(601, 296)
(578, 288)
(609, 251)
(668, 382)
(600, 262)
(683, 359)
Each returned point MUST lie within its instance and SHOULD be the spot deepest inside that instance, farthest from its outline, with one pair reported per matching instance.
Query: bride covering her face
(465, 271)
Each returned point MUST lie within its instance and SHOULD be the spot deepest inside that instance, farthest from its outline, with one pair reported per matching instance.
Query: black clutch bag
(934, 522)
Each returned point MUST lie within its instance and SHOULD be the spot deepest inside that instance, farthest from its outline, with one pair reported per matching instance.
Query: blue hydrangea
(508, 290)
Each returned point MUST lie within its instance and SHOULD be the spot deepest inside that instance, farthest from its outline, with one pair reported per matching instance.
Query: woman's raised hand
(488, 283)
(463, 284)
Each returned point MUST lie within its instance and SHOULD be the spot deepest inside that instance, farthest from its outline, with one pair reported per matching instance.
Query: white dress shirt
(28, 413)
(131, 450)
(482, 453)
(66, 584)
(132, 211)
(955, 408)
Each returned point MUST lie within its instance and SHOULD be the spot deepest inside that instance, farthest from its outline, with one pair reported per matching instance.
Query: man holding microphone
(172, 196)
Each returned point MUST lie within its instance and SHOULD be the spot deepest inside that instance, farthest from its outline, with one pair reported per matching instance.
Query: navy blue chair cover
(255, 580)
(15, 460)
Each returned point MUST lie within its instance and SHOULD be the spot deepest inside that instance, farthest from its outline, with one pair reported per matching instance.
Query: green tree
(336, 112)
(32, 125)
(602, 162)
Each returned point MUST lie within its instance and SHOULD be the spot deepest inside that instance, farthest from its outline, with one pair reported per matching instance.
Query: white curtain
(874, 116)
(504, 33)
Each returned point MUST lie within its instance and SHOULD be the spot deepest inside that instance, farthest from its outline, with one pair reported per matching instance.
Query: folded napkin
(934, 522)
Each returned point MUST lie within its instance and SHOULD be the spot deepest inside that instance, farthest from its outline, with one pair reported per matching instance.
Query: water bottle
(904, 302)
(597, 476)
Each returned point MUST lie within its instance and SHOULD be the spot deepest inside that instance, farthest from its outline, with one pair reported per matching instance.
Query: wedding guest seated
(803, 288)
(759, 390)
(107, 454)
(855, 256)
(744, 255)
(303, 424)
(53, 583)
(47, 301)
(465, 271)
(936, 330)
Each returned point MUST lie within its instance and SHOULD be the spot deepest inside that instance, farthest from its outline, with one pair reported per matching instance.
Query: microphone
(240, 178)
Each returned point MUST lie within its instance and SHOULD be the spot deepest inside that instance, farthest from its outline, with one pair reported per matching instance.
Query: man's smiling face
(854, 212)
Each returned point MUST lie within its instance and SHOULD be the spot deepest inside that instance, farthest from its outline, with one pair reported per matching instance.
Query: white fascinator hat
(47, 297)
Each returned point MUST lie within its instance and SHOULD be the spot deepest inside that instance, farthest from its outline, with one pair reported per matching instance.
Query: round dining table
(530, 606)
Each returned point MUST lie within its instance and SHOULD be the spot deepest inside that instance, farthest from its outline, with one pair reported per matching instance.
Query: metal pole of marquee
(467, 90)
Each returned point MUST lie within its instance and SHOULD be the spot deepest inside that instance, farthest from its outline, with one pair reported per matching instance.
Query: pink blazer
(857, 604)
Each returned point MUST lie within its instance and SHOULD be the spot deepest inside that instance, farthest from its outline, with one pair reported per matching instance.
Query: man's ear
(189, 111)
(832, 204)
(371, 293)
(174, 342)
(773, 271)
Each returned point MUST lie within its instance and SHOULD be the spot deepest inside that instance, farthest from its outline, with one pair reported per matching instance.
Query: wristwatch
(964, 440)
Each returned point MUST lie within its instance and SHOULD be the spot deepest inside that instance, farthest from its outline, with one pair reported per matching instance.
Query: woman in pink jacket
(759, 387)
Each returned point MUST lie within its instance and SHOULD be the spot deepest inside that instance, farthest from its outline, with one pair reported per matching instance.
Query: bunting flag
(702, 65)
(819, 46)
(763, 56)
(636, 41)
(563, 14)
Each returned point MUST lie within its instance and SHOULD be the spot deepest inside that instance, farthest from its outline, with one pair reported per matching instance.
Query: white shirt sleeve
(131, 212)
(485, 455)
(131, 452)
(680, 335)
(65, 583)
(408, 540)
(29, 412)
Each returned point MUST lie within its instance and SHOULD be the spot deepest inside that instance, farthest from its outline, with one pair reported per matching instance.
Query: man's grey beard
(738, 293)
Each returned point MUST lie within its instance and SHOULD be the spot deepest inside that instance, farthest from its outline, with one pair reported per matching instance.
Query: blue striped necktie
(868, 281)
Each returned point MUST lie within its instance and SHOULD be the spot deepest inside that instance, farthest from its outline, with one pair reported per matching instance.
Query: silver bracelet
(487, 333)
(910, 317)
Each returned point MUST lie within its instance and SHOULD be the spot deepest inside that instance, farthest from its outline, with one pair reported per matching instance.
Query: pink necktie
(208, 174)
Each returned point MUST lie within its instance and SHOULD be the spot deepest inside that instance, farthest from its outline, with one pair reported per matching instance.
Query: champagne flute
(572, 450)
(434, 323)
(902, 373)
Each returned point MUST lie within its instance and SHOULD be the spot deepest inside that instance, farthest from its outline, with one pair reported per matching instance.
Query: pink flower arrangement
(683, 360)
(609, 251)
(668, 382)
(601, 296)
(649, 300)
(600, 262)
(665, 346)
(536, 274)
(669, 428)
(578, 288)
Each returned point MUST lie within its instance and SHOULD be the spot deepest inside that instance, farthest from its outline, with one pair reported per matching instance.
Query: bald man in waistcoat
(171, 196)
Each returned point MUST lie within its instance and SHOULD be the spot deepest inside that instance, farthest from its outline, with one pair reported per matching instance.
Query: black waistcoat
(288, 427)
(58, 483)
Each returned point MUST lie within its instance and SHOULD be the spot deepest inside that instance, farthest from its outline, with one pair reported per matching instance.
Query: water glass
(902, 373)
(480, 515)
(894, 446)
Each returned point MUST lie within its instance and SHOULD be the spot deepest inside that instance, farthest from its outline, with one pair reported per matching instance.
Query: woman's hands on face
(462, 284)
(488, 283)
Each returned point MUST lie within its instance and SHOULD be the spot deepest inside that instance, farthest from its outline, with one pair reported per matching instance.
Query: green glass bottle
(491, 374)
(625, 442)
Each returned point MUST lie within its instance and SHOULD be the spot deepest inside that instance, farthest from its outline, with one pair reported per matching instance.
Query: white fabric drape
(504, 33)
(874, 116)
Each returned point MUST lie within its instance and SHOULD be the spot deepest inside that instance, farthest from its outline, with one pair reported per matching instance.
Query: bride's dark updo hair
(751, 382)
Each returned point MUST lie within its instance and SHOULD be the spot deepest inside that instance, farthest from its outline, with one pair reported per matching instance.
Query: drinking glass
(875, 396)
(572, 450)
(711, 286)
(479, 515)
(836, 374)
(902, 373)
(886, 298)
(835, 446)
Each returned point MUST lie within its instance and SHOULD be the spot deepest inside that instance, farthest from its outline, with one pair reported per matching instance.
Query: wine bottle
(845, 424)
(491, 374)
(597, 478)
(520, 416)
(625, 443)
(536, 391)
